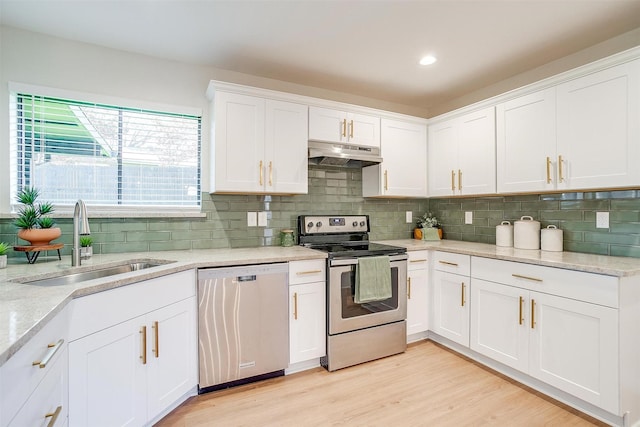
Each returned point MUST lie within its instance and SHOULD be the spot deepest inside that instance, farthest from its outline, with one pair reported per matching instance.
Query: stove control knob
(355, 223)
(362, 223)
(318, 224)
(310, 224)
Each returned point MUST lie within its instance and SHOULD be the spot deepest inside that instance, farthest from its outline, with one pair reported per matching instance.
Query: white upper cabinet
(580, 134)
(403, 171)
(461, 155)
(259, 145)
(331, 125)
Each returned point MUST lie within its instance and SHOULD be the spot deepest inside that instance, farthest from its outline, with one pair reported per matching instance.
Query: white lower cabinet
(417, 292)
(567, 343)
(307, 311)
(130, 372)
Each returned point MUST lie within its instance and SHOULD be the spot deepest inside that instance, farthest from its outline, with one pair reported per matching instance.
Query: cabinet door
(477, 153)
(526, 143)
(417, 301)
(499, 325)
(363, 129)
(172, 361)
(599, 130)
(238, 162)
(107, 377)
(442, 159)
(286, 158)
(307, 321)
(451, 306)
(573, 346)
(327, 125)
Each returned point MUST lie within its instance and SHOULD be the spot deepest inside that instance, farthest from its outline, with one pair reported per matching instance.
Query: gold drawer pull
(302, 273)
(351, 132)
(418, 260)
(533, 314)
(295, 306)
(518, 276)
(54, 416)
(344, 128)
(143, 356)
(453, 264)
(453, 181)
(462, 299)
(459, 180)
(386, 180)
(520, 319)
(260, 173)
(52, 350)
(271, 173)
(560, 174)
(548, 170)
(156, 334)
(408, 287)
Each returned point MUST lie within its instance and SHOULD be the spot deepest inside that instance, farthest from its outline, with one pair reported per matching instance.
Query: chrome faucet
(80, 226)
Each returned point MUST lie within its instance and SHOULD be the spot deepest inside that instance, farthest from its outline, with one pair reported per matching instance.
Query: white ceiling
(366, 48)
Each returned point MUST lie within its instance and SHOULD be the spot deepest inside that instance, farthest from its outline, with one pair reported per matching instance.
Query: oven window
(347, 291)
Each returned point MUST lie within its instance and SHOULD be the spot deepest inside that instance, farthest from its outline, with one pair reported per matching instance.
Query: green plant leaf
(45, 222)
(28, 195)
(4, 247)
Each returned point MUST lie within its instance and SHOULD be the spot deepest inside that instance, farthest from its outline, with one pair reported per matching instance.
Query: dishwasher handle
(250, 278)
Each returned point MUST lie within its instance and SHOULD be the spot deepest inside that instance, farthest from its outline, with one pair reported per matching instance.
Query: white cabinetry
(34, 380)
(259, 145)
(417, 294)
(461, 155)
(579, 134)
(403, 171)
(307, 311)
(558, 326)
(451, 283)
(139, 359)
(331, 125)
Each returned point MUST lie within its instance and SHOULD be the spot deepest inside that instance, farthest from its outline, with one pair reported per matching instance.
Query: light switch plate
(602, 219)
(262, 219)
(252, 219)
(409, 217)
(468, 217)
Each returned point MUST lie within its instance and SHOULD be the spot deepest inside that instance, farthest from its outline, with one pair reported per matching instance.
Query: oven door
(345, 315)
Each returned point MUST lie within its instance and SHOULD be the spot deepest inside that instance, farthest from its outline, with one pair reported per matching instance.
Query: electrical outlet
(468, 217)
(602, 219)
(409, 217)
(262, 219)
(252, 219)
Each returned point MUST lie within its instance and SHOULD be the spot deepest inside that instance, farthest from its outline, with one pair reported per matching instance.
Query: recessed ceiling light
(428, 60)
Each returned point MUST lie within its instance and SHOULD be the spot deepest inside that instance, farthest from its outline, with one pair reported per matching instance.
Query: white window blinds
(104, 154)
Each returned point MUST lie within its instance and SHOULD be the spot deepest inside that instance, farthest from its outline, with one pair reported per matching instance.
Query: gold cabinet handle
(462, 295)
(459, 180)
(344, 128)
(518, 276)
(271, 173)
(156, 336)
(533, 314)
(418, 260)
(520, 319)
(351, 129)
(295, 306)
(386, 179)
(408, 287)
(52, 349)
(54, 416)
(548, 170)
(453, 180)
(143, 355)
(560, 174)
(448, 263)
(302, 273)
(260, 172)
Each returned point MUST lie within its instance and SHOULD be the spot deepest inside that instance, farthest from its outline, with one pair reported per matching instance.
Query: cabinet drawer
(307, 271)
(418, 260)
(452, 263)
(98, 311)
(578, 285)
(20, 376)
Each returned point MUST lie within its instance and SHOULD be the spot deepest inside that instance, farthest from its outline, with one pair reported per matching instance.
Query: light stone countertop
(600, 264)
(25, 309)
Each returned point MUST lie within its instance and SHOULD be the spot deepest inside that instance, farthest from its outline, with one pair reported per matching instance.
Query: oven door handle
(354, 261)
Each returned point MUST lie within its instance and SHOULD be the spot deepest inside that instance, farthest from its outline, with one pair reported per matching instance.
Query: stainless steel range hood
(336, 154)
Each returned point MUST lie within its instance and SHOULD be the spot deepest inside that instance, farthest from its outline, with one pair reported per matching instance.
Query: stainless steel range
(358, 331)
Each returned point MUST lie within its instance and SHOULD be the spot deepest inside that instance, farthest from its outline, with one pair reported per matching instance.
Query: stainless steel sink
(68, 279)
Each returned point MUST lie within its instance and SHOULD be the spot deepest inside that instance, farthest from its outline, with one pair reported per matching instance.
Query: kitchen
(339, 189)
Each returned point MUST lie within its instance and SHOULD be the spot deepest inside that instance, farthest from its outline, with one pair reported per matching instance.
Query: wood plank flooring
(428, 385)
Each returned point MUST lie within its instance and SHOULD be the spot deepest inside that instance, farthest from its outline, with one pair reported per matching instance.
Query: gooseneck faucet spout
(80, 227)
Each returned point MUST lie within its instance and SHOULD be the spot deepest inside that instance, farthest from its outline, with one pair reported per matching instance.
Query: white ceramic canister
(551, 239)
(526, 233)
(504, 234)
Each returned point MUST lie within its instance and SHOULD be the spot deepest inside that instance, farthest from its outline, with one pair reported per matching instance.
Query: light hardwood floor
(428, 385)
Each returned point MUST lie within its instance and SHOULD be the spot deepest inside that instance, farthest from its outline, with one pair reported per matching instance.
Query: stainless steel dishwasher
(243, 324)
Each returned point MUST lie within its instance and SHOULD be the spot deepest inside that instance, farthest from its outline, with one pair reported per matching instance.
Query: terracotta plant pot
(40, 236)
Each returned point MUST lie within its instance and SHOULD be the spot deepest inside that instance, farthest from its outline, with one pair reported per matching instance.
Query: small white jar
(551, 239)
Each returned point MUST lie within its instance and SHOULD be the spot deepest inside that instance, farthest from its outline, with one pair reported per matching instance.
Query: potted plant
(3, 254)
(86, 250)
(427, 221)
(34, 222)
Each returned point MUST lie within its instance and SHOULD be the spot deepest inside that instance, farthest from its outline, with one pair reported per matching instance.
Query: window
(106, 155)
